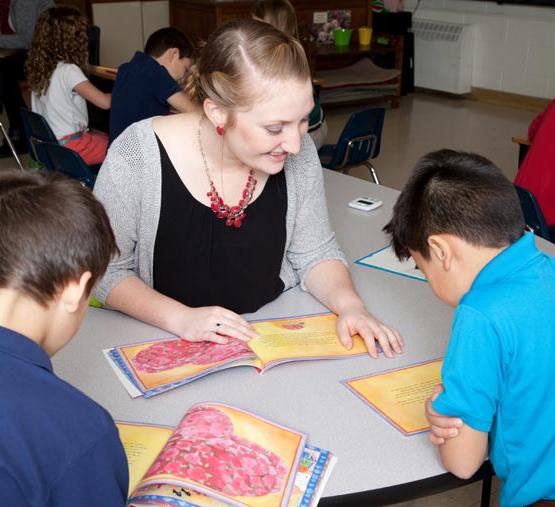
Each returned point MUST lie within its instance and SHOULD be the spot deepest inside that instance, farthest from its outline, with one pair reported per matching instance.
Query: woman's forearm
(135, 298)
(330, 282)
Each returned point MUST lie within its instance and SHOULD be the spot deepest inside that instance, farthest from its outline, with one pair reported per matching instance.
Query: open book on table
(399, 395)
(219, 455)
(152, 367)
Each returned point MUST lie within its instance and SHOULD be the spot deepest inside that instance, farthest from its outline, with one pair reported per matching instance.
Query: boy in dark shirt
(57, 447)
(149, 85)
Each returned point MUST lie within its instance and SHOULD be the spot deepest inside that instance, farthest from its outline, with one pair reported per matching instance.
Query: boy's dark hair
(451, 192)
(165, 38)
(52, 230)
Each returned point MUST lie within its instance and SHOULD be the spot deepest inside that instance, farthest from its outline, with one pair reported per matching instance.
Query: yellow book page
(231, 453)
(305, 337)
(142, 443)
(399, 395)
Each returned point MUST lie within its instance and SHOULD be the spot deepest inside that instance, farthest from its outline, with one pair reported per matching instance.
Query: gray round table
(376, 463)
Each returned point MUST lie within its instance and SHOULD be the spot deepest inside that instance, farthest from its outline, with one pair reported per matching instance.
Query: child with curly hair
(60, 89)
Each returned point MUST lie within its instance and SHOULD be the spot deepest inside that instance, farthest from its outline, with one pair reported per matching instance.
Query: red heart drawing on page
(205, 450)
(170, 354)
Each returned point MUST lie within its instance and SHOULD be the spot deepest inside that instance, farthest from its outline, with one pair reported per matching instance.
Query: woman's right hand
(213, 324)
(208, 323)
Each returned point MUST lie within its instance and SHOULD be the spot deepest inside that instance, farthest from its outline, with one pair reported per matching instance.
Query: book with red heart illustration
(220, 455)
(152, 367)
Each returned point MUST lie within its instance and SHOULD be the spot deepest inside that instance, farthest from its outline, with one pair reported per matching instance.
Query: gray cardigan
(129, 185)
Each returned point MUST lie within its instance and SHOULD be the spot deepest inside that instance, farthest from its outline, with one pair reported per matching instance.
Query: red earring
(220, 130)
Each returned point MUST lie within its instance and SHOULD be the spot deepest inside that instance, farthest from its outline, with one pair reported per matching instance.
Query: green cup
(342, 37)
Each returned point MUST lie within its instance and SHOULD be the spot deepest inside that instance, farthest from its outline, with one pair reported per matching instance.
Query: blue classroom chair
(533, 216)
(37, 132)
(70, 163)
(93, 34)
(359, 142)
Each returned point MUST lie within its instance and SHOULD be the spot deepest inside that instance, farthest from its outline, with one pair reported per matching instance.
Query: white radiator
(443, 55)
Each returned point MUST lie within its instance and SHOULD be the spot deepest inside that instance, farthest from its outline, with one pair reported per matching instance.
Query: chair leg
(372, 172)
(12, 148)
(486, 491)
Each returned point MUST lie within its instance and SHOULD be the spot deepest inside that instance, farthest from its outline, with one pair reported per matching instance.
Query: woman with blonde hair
(60, 90)
(217, 212)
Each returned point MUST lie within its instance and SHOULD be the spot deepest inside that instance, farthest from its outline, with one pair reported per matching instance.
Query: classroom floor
(427, 122)
(423, 123)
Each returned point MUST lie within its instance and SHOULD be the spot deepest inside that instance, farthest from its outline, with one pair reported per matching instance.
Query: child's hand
(442, 426)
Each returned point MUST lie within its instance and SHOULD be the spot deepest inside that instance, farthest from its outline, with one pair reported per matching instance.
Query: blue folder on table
(385, 259)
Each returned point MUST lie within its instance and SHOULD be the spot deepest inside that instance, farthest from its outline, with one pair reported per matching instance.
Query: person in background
(281, 14)
(58, 448)
(460, 220)
(218, 211)
(17, 24)
(60, 90)
(150, 84)
(537, 171)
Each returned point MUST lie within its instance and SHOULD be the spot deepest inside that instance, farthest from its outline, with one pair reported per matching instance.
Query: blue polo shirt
(499, 369)
(141, 91)
(57, 447)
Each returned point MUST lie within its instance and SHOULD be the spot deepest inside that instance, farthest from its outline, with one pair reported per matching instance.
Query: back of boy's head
(458, 193)
(52, 231)
(166, 38)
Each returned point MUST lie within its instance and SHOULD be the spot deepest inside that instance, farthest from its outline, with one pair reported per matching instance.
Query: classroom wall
(514, 48)
(125, 27)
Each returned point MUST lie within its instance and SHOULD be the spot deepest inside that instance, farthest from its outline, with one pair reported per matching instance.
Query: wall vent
(443, 55)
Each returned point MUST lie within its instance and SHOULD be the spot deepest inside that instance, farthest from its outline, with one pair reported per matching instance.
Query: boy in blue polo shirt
(460, 219)
(149, 85)
(58, 448)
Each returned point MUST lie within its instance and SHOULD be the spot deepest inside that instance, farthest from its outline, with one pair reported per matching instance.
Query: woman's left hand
(356, 320)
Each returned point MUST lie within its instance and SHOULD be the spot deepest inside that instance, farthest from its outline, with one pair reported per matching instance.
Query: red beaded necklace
(233, 215)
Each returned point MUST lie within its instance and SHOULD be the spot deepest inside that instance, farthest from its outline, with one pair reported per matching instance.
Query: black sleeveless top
(200, 261)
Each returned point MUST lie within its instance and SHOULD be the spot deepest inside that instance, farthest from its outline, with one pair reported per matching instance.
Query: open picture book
(399, 395)
(220, 455)
(152, 367)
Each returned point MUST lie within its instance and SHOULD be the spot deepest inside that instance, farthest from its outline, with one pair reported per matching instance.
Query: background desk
(523, 147)
(306, 396)
(103, 78)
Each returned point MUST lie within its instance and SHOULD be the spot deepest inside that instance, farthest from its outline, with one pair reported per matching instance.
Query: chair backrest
(37, 131)
(361, 138)
(93, 33)
(69, 163)
(533, 215)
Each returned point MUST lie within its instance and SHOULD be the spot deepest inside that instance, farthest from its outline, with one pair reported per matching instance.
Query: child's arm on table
(181, 103)
(93, 95)
(463, 454)
(442, 426)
